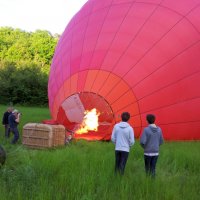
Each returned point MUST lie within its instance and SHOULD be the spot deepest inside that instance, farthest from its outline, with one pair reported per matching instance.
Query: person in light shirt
(150, 140)
(123, 138)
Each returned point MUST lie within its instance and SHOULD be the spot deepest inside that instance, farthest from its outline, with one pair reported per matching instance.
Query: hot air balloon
(125, 55)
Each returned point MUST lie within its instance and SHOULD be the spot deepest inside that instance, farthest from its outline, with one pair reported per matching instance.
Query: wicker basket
(39, 136)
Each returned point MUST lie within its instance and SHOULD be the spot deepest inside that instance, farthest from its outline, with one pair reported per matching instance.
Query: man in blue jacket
(150, 140)
(13, 121)
(123, 138)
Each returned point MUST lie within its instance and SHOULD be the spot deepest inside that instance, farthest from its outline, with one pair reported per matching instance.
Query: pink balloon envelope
(124, 55)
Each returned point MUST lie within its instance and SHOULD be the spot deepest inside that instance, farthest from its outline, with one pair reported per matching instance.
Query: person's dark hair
(151, 118)
(125, 116)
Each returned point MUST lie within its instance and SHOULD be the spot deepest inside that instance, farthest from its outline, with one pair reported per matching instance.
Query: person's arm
(143, 139)
(131, 137)
(161, 138)
(113, 136)
(17, 118)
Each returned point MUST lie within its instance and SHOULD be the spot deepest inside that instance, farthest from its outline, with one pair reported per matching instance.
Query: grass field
(85, 170)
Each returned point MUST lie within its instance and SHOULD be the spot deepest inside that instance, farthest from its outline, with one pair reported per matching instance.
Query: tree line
(25, 59)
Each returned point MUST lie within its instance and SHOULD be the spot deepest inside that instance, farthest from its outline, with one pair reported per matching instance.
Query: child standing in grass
(150, 140)
(123, 138)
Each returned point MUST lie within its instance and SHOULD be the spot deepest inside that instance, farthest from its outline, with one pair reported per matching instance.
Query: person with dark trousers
(13, 120)
(5, 121)
(123, 138)
(150, 140)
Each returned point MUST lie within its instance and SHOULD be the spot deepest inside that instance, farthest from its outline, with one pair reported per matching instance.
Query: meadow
(85, 170)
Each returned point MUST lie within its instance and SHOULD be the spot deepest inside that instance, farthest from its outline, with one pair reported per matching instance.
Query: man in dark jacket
(150, 140)
(5, 121)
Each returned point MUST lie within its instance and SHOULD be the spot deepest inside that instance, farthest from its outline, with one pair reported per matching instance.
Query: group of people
(122, 137)
(11, 119)
(150, 140)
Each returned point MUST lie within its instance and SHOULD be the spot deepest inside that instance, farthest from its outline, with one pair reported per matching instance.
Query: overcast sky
(30, 15)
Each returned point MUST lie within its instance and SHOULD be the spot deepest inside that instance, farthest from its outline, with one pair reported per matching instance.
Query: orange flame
(90, 122)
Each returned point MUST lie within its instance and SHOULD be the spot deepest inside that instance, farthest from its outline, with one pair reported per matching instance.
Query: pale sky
(30, 15)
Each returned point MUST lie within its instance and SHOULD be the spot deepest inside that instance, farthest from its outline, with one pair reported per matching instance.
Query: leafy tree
(5, 81)
(42, 46)
(17, 45)
(24, 85)
(14, 42)
(25, 59)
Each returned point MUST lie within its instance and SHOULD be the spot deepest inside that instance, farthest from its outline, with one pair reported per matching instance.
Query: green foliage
(25, 60)
(24, 85)
(42, 46)
(17, 45)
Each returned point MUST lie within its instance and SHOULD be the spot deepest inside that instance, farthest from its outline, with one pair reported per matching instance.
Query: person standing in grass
(5, 121)
(13, 120)
(150, 140)
(123, 138)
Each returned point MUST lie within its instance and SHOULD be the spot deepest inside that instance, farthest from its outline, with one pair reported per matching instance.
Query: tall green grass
(85, 171)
